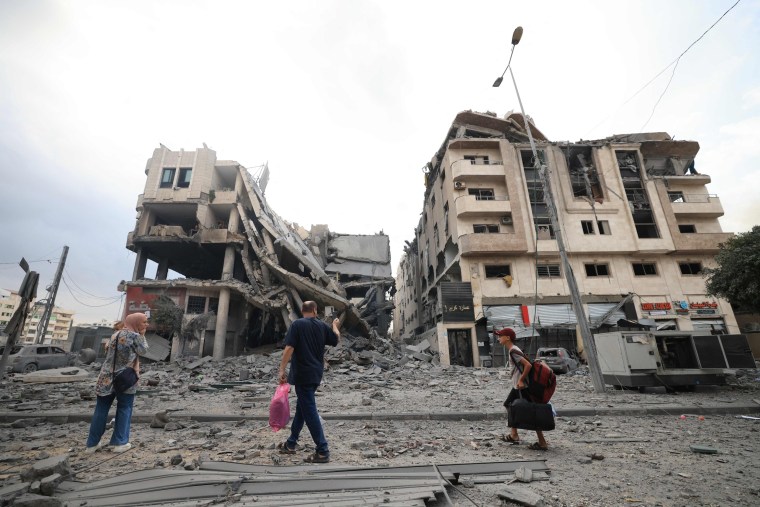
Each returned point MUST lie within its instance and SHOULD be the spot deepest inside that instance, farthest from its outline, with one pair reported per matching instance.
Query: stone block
(49, 466)
(521, 496)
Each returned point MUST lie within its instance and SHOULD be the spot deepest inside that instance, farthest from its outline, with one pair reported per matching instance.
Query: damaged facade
(638, 223)
(246, 270)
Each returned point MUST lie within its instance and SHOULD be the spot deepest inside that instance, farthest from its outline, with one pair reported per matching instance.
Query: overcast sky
(346, 100)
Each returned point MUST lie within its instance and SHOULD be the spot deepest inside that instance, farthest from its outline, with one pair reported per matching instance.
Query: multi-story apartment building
(637, 220)
(244, 267)
(58, 325)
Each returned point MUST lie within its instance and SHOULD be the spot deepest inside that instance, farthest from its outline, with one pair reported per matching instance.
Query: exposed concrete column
(229, 262)
(220, 332)
(163, 269)
(238, 184)
(269, 243)
(475, 348)
(140, 263)
(233, 224)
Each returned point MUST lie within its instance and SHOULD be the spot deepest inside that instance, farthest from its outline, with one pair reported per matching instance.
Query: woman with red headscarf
(122, 351)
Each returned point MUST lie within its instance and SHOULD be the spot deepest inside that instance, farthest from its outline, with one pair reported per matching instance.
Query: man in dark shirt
(305, 343)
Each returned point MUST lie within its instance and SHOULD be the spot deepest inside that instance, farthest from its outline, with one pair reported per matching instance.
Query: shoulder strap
(516, 363)
(115, 349)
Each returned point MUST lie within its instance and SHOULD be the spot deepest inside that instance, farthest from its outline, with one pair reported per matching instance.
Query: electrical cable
(29, 262)
(83, 303)
(66, 271)
(663, 71)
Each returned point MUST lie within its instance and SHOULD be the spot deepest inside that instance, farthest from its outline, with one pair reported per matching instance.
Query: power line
(674, 62)
(84, 291)
(38, 260)
(85, 304)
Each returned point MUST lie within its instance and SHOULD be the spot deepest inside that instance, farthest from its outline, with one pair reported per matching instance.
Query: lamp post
(580, 314)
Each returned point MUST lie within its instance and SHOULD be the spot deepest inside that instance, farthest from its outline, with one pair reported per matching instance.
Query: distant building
(638, 222)
(58, 325)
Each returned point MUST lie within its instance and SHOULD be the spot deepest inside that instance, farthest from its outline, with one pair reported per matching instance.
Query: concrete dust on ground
(641, 458)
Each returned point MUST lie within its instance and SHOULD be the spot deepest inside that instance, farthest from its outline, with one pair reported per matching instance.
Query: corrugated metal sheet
(555, 315)
(596, 310)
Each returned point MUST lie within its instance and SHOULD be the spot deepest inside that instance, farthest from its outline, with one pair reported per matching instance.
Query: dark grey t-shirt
(308, 337)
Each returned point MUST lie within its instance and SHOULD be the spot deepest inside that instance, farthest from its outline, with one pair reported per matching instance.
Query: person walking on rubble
(520, 369)
(305, 343)
(126, 344)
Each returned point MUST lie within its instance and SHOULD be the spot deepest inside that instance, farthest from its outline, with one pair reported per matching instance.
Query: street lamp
(588, 341)
(516, 36)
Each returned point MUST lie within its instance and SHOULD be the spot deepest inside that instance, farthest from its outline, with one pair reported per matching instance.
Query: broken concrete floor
(594, 460)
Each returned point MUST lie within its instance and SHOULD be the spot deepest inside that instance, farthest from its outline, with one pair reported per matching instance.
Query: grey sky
(347, 100)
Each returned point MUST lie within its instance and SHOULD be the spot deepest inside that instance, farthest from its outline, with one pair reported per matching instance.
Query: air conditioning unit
(459, 185)
(506, 220)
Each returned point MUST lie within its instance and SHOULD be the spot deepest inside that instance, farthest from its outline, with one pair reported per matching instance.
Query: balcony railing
(696, 205)
(464, 169)
(478, 205)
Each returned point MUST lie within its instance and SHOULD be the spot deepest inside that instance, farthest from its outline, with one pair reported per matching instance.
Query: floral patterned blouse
(130, 344)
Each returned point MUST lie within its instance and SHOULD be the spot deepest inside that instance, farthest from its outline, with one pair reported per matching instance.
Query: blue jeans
(120, 435)
(306, 412)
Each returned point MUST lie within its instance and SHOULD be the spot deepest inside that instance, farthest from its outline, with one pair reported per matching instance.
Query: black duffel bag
(525, 415)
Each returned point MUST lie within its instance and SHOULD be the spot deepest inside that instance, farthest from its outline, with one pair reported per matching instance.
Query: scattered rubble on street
(384, 405)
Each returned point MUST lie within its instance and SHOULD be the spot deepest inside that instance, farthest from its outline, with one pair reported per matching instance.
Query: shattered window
(687, 228)
(213, 304)
(690, 268)
(597, 270)
(604, 227)
(482, 194)
(676, 197)
(477, 159)
(548, 270)
(185, 173)
(498, 271)
(446, 219)
(485, 228)
(644, 269)
(167, 177)
(587, 226)
(196, 304)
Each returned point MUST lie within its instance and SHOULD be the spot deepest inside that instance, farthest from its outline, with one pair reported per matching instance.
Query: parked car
(29, 358)
(558, 359)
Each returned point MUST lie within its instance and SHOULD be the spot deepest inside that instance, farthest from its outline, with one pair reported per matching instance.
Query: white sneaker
(121, 448)
(90, 450)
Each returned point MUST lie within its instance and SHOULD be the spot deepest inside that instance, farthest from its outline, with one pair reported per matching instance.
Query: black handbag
(126, 377)
(525, 415)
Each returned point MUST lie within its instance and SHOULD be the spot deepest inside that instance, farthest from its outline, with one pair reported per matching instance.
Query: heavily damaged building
(637, 220)
(244, 270)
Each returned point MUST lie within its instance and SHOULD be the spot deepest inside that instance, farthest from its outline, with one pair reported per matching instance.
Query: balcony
(491, 244)
(707, 242)
(223, 196)
(484, 171)
(474, 206)
(689, 179)
(696, 205)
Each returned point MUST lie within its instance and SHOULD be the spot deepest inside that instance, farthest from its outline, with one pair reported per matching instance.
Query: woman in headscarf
(126, 344)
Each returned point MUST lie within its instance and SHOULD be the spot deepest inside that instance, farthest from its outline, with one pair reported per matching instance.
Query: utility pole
(50, 302)
(27, 292)
(580, 314)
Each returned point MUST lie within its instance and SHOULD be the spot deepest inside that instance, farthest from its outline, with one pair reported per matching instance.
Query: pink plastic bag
(279, 408)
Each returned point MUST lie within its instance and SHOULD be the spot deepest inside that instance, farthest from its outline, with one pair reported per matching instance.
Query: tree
(737, 277)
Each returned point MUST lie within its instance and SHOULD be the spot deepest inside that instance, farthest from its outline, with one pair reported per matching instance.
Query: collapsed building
(244, 271)
(638, 225)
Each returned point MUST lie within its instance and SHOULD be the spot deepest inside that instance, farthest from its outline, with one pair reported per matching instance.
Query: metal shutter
(596, 310)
